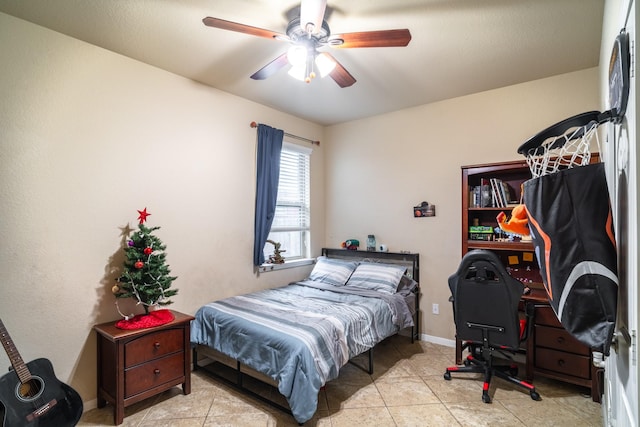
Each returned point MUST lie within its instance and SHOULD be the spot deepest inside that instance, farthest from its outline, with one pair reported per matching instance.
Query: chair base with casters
(480, 360)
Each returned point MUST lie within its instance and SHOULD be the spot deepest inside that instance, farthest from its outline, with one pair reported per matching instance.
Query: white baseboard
(89, 405)
(438, 340)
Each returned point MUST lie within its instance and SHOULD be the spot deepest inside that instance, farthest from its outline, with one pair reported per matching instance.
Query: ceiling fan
(309, 33)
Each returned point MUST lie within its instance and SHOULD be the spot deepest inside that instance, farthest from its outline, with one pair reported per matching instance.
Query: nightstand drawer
(564, 363)
(546, 316)
(559, 339)
(154, 373)
(153, 345)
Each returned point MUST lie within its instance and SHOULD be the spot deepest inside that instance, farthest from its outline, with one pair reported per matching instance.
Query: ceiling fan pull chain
(309, 73)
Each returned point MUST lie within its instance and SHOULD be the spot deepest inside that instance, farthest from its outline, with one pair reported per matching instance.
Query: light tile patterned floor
(406, 389)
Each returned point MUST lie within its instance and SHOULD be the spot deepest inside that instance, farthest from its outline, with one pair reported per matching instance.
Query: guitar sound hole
(30, 390)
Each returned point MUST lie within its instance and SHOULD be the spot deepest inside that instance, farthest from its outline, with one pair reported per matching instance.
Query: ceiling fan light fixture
(297, 55)
(298, 72)
(325, 64)
(304, 71)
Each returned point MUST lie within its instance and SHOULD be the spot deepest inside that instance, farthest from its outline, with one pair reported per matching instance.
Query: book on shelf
(494, 194)
(473, 197)
(502, 194)
(480, 196)
(480, 232)
(485, 197)
(491, 193)
(497, 191)
(504, 189)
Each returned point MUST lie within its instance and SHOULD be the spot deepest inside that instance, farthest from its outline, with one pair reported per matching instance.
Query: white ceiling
(458, 47)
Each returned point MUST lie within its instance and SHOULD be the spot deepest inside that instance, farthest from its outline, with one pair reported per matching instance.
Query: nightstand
(134, 365)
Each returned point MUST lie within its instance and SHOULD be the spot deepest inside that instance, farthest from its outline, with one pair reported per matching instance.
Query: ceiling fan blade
(340, 74)
(382, 38)
(241, 28)
(271, 67)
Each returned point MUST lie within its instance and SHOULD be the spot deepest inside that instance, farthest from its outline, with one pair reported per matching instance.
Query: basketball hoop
(564, 145)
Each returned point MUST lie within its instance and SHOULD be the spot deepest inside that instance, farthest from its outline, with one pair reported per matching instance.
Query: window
(291, 224)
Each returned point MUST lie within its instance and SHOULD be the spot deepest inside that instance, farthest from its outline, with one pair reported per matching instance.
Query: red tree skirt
(154, 318)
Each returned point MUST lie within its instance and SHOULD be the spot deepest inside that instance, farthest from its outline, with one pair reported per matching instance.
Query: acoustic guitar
(32, 396)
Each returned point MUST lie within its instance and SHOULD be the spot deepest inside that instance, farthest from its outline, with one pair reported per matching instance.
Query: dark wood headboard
(409, 260)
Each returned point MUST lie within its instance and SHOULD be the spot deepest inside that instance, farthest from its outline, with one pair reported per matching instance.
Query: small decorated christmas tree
(146, 275)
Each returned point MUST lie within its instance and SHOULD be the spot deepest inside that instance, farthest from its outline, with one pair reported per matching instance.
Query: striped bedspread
(300, 335)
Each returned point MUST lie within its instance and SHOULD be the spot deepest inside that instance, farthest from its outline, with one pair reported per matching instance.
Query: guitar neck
(12, 352)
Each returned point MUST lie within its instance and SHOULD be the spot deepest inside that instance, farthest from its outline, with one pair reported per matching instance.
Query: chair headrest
(485, 266)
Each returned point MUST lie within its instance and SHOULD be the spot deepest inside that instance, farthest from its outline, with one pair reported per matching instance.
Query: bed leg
(369, 369)
(194, 359)
(239, 377)
(415, 334)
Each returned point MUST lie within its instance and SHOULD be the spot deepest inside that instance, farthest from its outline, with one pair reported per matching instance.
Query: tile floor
(406, 389)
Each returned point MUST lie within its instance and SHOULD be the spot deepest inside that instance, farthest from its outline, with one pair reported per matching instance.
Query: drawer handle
(560, 362)
(156, 345)
(156, 371)
(560, 340)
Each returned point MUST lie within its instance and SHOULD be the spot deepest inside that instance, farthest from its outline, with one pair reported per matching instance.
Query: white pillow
(377, 277)
(333, 271)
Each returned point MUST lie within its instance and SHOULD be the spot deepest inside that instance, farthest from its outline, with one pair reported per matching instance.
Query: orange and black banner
(572, 228)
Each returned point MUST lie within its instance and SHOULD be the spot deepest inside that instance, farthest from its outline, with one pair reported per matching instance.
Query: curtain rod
(255, 125)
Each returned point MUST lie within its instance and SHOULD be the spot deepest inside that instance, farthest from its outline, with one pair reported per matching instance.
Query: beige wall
(377, 169)
(87, 138)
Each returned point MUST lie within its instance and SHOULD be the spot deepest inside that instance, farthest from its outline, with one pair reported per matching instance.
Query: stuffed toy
(351, 244)
(518, 223)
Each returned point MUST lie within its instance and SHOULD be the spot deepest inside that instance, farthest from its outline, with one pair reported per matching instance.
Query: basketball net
(571, 149)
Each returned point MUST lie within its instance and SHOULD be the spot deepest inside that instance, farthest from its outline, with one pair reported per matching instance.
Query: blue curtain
(268, 174)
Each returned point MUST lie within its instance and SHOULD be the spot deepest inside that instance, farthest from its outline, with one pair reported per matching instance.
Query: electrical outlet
(435, 308)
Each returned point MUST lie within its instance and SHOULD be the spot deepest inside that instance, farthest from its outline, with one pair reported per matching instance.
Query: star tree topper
(143, 215)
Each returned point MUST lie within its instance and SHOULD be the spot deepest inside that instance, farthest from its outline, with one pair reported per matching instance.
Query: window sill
(264, 268)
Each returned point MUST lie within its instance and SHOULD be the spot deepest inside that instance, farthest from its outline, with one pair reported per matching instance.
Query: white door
(620, 404)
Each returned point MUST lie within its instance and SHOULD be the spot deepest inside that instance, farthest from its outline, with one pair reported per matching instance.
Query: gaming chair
(485, 309)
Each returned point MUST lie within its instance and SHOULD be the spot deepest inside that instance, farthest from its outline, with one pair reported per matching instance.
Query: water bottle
(371, 243)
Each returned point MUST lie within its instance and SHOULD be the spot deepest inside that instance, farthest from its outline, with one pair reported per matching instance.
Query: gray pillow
(333, 271)
(377, 277)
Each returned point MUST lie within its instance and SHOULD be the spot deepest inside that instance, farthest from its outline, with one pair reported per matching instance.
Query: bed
(297, 337)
